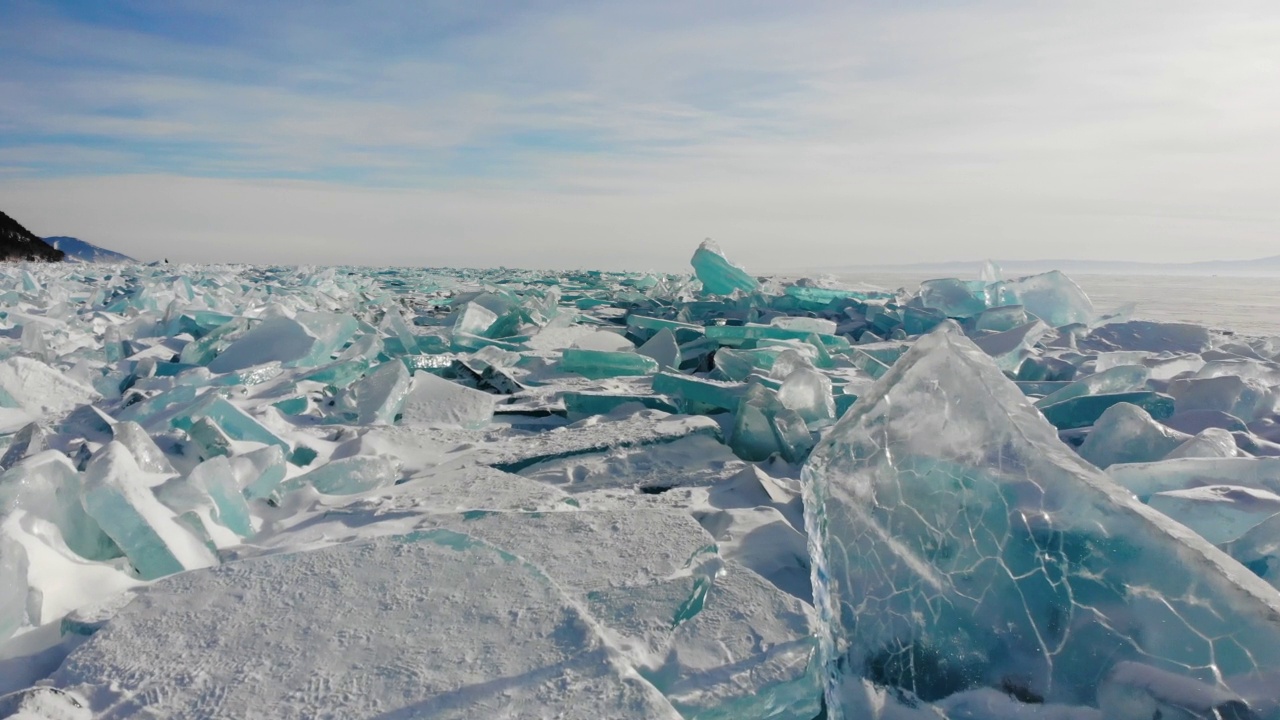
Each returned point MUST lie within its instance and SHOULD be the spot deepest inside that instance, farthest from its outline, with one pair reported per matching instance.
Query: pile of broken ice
(300, 492)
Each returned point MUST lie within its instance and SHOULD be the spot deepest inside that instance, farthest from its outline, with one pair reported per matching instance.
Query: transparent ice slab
(959, 544)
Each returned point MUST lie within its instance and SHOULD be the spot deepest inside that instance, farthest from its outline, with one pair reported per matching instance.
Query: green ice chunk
(737, 335)
(236, 423)
(865, 362)
(916, 321)
(393, 324)
(697, 395)
(1083, 411)
(764, 427)
(599, 403)
(202, 351)
(47, 486)
(339, 374)
(292, 406)
(260, 471)
(117, 497)
(1122, 378)
(209, 438)
(146, 411)
(717, 274)
(826, 295)
(605, 364)
(1035, 369)
(214, 477)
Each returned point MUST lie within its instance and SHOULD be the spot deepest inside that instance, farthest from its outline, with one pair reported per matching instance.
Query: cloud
(878, 131)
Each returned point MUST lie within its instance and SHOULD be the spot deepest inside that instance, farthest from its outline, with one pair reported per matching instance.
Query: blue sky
(619, 134)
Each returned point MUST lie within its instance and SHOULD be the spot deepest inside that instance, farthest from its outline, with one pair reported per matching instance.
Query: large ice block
(1125, 433)
(1053, 297)
(117, 496)
(48, 487)
(954, 297)
(433, 399)
(1085, 410)
(959, 544)
(278, 339)
(717, 274)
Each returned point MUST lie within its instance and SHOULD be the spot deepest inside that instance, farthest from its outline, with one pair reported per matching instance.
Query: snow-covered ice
(235, 491)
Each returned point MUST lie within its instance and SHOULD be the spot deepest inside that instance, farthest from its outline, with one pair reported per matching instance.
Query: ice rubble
(538, 493)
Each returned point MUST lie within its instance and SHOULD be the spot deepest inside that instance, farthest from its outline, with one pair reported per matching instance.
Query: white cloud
(1111, 130)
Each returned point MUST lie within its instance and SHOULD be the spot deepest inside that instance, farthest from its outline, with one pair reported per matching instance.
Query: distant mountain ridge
(78, 250)
(1261, 266)
(19, 243)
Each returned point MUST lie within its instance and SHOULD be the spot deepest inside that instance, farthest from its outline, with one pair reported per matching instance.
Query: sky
(618, 135)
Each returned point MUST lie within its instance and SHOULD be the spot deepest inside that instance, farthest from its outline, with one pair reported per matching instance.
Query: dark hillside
(19, 243)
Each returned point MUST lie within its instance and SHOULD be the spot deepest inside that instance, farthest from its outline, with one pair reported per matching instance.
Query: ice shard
(606, 364)
(47, 486)
(118, 498)
(215, 478)
(717, 274)
(958, 544)
(381, 395)
(143, 449)
(663, 349)
(13, 586)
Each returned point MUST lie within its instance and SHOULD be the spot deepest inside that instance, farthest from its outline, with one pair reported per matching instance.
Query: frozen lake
(1246, 305)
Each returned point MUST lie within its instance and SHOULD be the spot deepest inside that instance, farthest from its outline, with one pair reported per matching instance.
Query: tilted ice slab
(433, 624)
(959, 544)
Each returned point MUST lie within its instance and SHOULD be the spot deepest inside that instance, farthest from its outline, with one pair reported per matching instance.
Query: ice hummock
(960, 544)
(584, 421)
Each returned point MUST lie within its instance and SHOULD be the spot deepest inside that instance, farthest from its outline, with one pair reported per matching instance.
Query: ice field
(268, 492)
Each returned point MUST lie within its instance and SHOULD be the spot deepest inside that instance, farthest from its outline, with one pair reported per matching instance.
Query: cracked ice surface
(962, 546)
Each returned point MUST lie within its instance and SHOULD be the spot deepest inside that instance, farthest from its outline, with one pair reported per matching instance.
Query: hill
(19, 243)
(78, 250)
